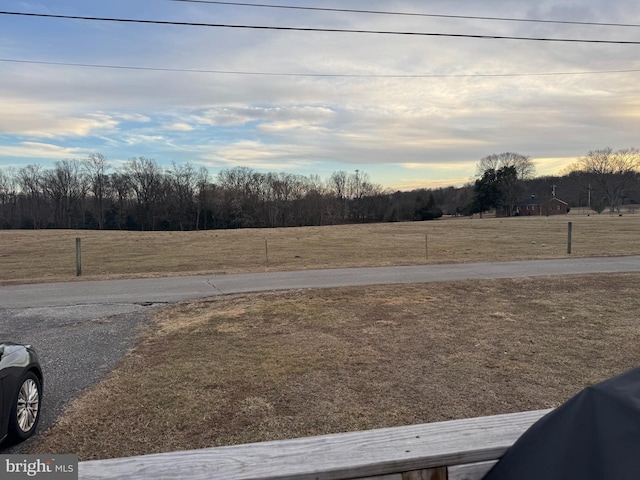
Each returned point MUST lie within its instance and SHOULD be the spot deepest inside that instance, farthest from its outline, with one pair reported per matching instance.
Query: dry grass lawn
(49, 255)
(247, 368)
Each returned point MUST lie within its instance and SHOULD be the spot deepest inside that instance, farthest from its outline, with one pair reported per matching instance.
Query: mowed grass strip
(50, 255)
(246, 368)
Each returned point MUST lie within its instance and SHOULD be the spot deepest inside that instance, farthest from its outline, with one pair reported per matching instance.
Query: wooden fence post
(78, 257)
(569, 238)
(426, 246)
(266, 251)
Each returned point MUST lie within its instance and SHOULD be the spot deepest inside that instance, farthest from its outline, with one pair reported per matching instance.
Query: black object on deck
(593, 436)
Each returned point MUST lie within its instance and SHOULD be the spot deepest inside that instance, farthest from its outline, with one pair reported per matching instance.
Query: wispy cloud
(40, 152)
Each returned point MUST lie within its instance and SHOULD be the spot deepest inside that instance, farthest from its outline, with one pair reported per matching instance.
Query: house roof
(539, 201)
(556, 199)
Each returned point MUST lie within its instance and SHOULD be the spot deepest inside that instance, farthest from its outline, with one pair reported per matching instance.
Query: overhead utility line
(328, 30)
(338, 75)
(410, 14)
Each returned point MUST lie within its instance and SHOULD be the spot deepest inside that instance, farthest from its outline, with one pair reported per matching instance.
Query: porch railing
(454, 450)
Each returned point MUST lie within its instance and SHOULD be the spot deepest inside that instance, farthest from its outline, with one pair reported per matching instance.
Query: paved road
(82, 329)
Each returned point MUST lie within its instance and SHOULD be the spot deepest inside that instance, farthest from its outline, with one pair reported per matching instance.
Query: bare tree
(183, 182)
(338, 186)
(338, 183)
(96, 167)
(244, 190)
(122, 189)
(354, 184)
(313, 206)
(31, 185)
(609, 172)
(359, 188)
(147, 182)
(278, 198)
(523, 164)
(67, 187)
(8, 198)
(202, 180)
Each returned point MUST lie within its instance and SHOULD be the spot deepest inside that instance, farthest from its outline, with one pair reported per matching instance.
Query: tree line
(601, 179)
(141, 195)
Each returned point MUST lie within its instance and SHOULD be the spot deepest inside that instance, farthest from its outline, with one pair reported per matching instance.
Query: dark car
(21, 385)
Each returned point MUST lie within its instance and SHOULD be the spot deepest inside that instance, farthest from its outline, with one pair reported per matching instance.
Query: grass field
(246, 368)
(49, 255)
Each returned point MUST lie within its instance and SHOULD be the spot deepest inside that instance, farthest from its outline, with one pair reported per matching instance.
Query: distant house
(554, 206)
(534, 206)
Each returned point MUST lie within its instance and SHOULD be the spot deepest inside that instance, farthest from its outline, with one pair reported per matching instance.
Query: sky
(411, 111)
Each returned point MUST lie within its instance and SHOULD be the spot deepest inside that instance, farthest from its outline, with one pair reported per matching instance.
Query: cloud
(40, 151)
(416, 183)
(178, 127)
(257, 155)
(29, 119)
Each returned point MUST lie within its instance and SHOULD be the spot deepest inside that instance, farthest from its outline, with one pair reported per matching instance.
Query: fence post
(569, 238)
(78, 257)
(426, 246)
(266, 251)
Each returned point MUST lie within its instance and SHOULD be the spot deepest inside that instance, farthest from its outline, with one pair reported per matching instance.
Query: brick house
(534, 206)
(554, 206)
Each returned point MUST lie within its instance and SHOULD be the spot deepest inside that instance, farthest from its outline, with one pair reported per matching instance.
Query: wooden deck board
(372, 453)
(470, 471)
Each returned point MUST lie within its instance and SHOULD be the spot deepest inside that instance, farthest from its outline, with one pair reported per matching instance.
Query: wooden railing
(454, 450)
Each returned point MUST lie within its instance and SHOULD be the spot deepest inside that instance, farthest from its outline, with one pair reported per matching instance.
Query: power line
(299, 74)
(410, 14)
(326, 30)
